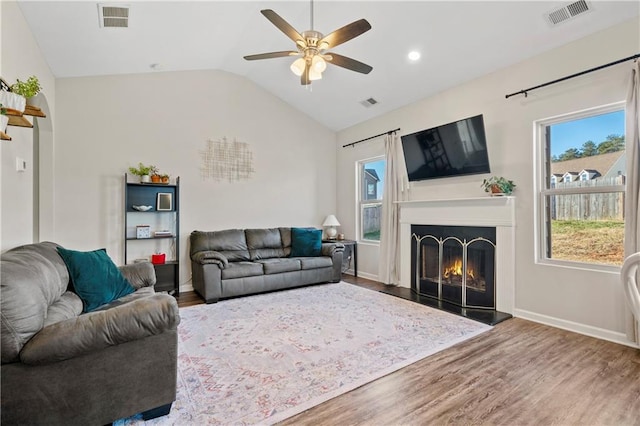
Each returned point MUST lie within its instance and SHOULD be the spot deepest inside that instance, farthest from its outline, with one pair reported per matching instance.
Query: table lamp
(330, 224)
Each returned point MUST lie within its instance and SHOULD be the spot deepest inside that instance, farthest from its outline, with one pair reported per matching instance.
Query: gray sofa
(238, 262)
(62, 367)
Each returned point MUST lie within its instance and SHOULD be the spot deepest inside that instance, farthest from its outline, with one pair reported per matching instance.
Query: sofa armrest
(329, 249)
(140, 274)
(210, 256)
(94, 331)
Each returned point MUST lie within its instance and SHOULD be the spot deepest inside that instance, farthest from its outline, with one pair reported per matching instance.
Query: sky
(573, 134)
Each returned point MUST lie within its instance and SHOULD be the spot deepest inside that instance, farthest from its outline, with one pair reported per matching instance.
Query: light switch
(21, 165)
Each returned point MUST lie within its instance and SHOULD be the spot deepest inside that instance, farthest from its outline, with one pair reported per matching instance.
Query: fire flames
(455, 270)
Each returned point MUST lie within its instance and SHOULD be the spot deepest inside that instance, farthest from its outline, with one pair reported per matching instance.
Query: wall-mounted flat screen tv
(454, 149)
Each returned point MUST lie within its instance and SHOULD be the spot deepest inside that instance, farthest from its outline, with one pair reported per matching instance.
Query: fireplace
(455, 264)
(493, 212)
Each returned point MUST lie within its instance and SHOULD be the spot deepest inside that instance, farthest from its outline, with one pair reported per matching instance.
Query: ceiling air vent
(368, 102)
(567, 12)
(113, 16)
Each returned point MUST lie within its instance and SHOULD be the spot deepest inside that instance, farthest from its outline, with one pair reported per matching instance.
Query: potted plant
(143, 171)
(497, 185)
(164, 178)
(28, 88)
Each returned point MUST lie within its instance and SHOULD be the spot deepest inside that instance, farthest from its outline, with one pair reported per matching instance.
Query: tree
(589, 148)
(612, 143)
(570, 154)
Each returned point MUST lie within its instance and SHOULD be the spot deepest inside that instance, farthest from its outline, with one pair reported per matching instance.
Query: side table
(354, 249)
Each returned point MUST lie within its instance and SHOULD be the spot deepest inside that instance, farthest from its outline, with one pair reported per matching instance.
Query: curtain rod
(388, 132)
(524, 91)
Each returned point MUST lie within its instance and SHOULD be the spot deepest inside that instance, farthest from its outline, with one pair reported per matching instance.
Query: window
(371, 182)
(581, 216)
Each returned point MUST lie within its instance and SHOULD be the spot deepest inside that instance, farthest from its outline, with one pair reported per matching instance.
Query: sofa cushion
(231, 243)
(94, 276)
(241, 270)
(285, 236)
(264, 243)
(276, 266)
(141, 318)
(32, 278)
(68, 306)
(306, 242)
(316, 262)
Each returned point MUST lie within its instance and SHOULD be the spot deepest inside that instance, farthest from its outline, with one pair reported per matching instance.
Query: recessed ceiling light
(414, 55)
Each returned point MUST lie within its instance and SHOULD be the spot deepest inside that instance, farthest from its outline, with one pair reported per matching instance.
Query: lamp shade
(331, 221)
(297, 67)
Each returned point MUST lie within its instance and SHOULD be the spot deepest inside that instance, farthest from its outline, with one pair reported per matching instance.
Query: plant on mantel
(497, 185)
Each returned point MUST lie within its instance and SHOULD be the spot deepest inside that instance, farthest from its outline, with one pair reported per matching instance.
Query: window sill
(591, 267)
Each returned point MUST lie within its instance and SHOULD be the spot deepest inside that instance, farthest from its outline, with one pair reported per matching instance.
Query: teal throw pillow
(306, 242)
(95, 278)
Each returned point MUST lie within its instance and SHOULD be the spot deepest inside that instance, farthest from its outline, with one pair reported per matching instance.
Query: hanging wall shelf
(16, 118)
(16, 115)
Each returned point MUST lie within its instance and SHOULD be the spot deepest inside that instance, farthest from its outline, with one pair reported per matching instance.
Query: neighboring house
(371, 180)
(595, 170)
(589, 174)
(601, 166)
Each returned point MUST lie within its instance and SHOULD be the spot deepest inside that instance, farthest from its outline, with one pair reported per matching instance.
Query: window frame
(540, 192)
(361, 202)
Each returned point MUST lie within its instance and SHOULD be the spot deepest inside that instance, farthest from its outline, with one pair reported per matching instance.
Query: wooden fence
(596, 206)
(371, 218)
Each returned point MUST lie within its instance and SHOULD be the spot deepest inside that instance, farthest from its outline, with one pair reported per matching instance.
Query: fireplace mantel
(478, 211)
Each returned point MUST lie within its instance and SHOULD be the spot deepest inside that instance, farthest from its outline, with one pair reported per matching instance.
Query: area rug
(264, 358)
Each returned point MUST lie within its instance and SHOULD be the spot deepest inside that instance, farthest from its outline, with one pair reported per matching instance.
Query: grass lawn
(375, 235)
(588, 241)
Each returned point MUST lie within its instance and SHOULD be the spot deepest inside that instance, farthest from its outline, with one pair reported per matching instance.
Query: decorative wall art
(224, 160)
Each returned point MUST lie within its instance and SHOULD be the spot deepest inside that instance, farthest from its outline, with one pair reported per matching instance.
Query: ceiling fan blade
(304, 78)
(282, 25)
(346, 33)
(271, 55)
(348, 63)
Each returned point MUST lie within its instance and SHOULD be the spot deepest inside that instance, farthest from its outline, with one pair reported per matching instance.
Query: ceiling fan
(312, 48)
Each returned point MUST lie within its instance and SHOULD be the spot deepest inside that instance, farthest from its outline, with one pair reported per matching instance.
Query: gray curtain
(395, 188)
(632, 196)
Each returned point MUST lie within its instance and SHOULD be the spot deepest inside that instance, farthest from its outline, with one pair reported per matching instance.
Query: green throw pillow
(95, 278)
(306, 242)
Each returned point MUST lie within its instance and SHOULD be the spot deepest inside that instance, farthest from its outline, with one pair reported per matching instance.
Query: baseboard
(184, 288)
(587, 330)
(362, 275)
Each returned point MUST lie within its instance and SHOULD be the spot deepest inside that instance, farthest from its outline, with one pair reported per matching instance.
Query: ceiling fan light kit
(312, 48)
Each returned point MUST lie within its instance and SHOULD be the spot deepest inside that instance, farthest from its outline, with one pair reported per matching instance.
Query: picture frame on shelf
(164, 202)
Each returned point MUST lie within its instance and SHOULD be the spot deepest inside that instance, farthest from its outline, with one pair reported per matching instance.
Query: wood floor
(519, 373)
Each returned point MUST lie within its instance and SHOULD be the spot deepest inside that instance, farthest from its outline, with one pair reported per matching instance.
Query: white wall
(105, 124)
(21, 58)
(582, 300)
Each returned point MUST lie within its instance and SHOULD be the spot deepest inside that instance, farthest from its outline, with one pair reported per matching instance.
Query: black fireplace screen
(454, 264)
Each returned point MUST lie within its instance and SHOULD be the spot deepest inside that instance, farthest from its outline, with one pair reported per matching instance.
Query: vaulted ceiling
(458, 41)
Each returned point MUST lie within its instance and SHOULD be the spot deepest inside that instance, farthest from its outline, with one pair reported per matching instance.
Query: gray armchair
(63, 367)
